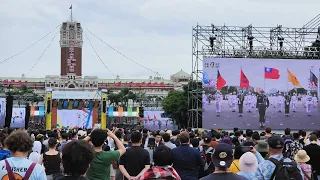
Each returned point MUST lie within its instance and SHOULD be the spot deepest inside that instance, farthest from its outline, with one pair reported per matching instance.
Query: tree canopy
(176, 104)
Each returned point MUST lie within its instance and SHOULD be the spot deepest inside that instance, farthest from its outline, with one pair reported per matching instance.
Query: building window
(61, 85)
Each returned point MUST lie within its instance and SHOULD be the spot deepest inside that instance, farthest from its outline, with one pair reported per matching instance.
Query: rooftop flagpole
(71, 12)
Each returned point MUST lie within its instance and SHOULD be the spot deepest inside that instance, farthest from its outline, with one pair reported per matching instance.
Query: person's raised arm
(119, 144)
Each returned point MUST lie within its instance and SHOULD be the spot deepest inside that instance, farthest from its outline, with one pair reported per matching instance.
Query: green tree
(176, 104)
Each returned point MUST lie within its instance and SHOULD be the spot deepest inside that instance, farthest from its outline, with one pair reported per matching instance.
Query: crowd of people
(186, 154)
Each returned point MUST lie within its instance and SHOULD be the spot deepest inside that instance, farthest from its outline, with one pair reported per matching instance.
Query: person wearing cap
(187, 160)
(222, 159)
(302, 157)
(262, 105)
(248, 164)
(266, 168)
(206, 150)
(262, 148)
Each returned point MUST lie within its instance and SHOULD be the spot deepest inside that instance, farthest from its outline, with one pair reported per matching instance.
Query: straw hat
(248, 162)
(301, 156)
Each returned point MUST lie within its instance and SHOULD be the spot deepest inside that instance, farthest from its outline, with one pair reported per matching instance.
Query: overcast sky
(155, 33)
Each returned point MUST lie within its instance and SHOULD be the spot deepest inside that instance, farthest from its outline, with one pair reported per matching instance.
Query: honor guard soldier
(240, 103)
(287, 100)
(308, 103)
(218, 97)
(294, 102)
(262, 105)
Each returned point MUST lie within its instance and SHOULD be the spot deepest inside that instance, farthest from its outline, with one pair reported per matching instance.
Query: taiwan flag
(220, 81)
(271, 73)
(244, 81)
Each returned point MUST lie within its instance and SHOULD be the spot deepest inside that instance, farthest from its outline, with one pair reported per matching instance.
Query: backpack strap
(305, 174)
(200, 148)
(29, 171)
(278, 164)
(8, 168)
(236, 166)
(208, 150)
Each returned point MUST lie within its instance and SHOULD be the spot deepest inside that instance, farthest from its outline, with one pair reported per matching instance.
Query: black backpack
(285, 170)
(206, 155)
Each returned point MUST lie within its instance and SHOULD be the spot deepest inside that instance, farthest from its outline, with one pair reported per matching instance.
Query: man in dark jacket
(187, 160)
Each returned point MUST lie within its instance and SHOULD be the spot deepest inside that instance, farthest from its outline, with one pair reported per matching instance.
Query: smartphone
(246, 148)
(151, 142)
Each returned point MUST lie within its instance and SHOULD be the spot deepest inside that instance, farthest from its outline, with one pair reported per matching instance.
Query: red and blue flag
(271, 73)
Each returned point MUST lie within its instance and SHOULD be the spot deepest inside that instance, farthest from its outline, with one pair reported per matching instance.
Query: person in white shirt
(294, 102)
(280, 101)
(308, 103)
(218, 97)
(234, 101)
(20, 144)
(315, 101)
(249, 101)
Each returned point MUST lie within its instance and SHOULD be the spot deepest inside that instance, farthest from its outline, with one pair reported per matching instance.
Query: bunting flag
(41, 111)
(293, 79)
(120, 111)
(244, 81)
(137, 110)
(313, 80)
(220, 81)
(129, 112)
(110, 111)
(70, 106)
(32, 109)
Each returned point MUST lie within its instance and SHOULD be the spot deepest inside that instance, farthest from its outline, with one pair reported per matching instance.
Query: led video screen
(2, 111)
(153, 120)
(18, 118)
(74, 118)
(255, 93)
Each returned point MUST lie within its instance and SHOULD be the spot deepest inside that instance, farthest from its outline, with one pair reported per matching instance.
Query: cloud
(156, 33)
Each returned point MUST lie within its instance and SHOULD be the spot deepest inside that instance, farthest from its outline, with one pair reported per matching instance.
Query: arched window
(71, 86)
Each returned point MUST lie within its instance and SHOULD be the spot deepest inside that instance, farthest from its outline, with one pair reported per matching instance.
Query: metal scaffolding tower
(247, 42)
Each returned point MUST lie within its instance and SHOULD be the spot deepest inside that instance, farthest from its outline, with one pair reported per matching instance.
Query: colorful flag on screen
(293, 79)
(313, 80)
(220, 81)
(244, 81)
(271, 73)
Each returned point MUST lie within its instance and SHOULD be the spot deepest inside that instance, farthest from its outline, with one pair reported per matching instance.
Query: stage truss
(247, 42)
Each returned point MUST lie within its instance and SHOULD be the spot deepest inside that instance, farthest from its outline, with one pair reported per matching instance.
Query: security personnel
(240, 103)
(287, 100)
(262, 104)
